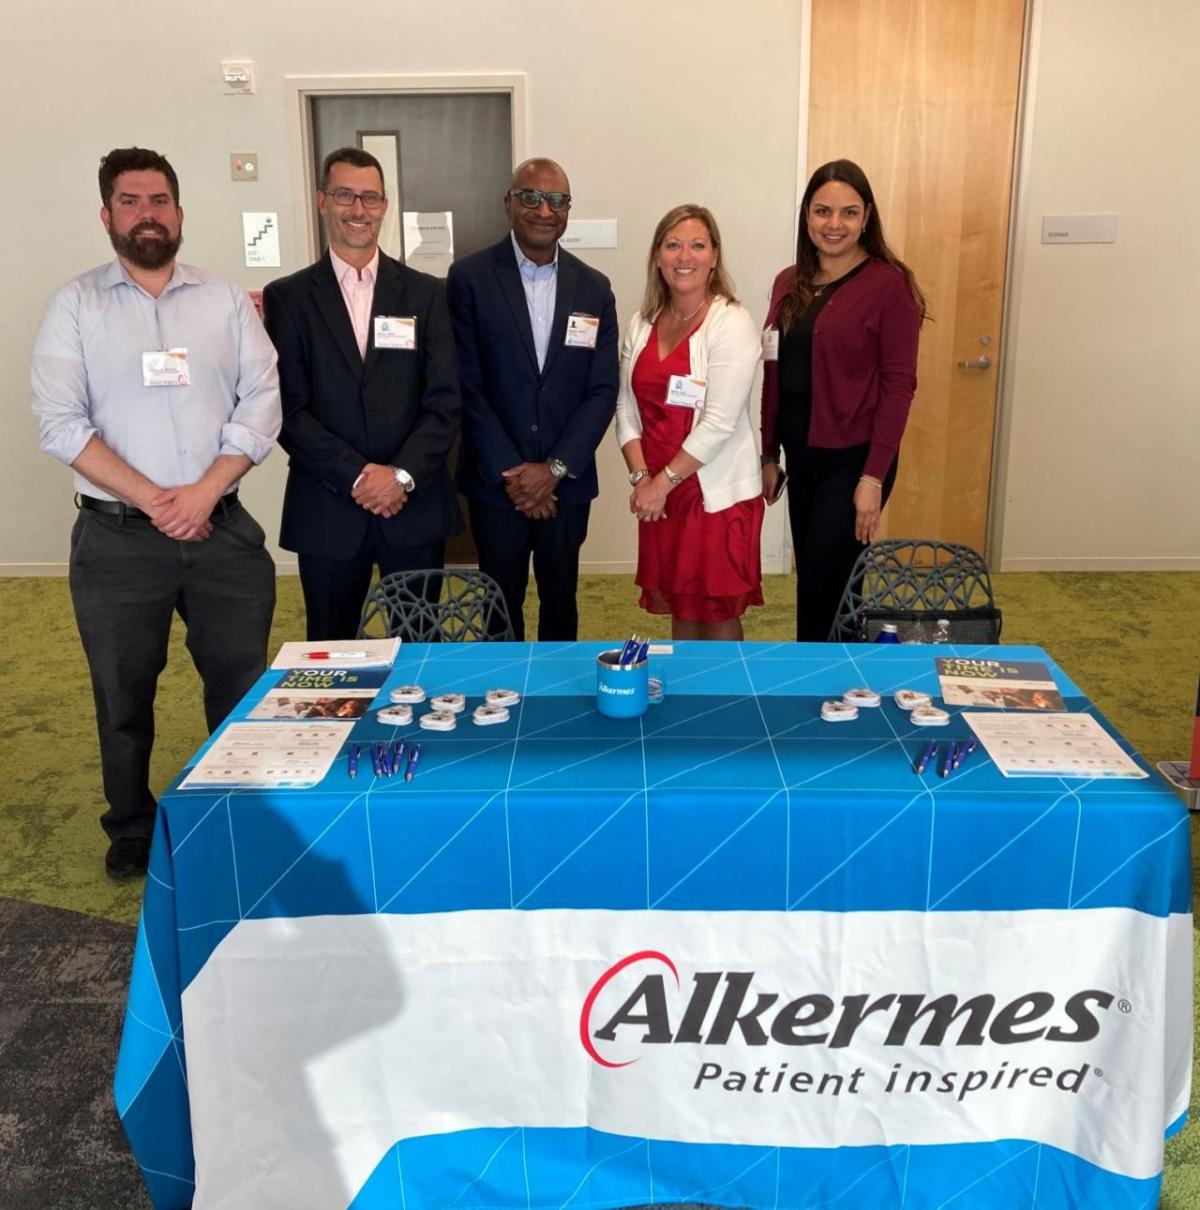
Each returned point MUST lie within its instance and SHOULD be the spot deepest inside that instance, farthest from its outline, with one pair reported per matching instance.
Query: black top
(795, 365)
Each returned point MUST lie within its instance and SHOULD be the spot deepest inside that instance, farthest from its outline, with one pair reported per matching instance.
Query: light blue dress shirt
(87, 374)
(541, 293)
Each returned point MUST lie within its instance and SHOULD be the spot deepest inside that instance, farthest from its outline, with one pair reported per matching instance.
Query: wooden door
(923, 95)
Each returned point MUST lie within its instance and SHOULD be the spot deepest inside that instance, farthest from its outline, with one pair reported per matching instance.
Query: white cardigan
(724, 351)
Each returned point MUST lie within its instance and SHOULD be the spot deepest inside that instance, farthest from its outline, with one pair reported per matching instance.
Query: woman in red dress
(683, 422)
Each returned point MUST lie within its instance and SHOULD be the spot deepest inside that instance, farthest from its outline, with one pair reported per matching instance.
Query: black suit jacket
(397, 407)
(512, 412)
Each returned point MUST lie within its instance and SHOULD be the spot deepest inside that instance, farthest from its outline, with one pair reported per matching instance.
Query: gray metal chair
(436, 606)
(915, 583)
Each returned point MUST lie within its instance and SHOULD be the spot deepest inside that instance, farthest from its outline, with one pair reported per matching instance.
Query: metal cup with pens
(625, 687)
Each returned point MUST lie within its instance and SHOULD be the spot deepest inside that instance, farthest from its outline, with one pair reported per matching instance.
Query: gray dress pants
(127, 580)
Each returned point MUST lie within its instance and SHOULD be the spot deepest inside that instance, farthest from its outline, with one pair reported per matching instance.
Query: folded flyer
(1001, 684)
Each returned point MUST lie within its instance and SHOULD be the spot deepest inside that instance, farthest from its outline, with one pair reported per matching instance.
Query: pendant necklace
(684, 318)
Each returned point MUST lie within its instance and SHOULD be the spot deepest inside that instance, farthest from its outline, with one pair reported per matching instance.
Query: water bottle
(941, 632)
(888, 633)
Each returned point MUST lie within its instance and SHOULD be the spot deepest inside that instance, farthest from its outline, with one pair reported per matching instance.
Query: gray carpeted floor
(61, 1003)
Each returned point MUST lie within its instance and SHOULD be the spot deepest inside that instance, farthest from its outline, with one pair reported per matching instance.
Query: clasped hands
(530, 487)
(183, 513)
(648, 500)
(377, 491)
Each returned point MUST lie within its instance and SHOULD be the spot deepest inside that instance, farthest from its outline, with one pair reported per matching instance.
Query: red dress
(696, 566)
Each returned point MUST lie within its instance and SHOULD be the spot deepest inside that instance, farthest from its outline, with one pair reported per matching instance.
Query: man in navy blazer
(370, 405)
(536, 332)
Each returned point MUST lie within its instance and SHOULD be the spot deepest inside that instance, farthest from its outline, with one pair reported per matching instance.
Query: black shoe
(127, 857)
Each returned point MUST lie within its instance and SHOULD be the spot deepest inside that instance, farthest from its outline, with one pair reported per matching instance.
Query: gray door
(453, 152)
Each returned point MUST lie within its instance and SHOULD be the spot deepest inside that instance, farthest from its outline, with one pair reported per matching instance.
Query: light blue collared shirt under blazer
(541, 293)
(87, 374)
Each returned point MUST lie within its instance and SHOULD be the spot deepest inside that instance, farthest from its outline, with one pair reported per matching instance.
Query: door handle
(976, 363)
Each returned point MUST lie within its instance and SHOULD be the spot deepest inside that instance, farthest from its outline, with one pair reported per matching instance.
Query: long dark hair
(871, 240)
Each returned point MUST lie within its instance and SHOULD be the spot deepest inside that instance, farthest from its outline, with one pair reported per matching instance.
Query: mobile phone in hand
(780, 484)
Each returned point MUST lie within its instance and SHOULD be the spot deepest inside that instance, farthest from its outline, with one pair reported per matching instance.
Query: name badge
(165, 368)
(581, 331)
(395, 331)
(686, 392)
(770, 345)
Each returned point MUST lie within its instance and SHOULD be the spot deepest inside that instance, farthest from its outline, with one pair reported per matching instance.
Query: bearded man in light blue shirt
(155, 382)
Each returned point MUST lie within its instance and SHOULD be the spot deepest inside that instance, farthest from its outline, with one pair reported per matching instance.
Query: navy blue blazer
(513, 413)
(396, 407)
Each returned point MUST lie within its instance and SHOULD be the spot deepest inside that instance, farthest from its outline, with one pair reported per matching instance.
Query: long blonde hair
(719, 281)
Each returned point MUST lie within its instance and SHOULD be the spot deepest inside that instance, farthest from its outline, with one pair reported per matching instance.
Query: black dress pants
(127, 580)
(506, 538)
(820, 495)
(335, 589)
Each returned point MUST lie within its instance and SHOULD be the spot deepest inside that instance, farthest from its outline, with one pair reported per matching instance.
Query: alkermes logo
(642, 1001)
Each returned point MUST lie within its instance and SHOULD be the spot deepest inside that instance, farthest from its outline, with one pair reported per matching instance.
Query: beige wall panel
(1102, 440)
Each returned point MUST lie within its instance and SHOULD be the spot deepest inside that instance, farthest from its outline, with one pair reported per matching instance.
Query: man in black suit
(536, 332)
(370, 405)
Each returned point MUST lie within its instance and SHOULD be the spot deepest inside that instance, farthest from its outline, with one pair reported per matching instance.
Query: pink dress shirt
(359, 292)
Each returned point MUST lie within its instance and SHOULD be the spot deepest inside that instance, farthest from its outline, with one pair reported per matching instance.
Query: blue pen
(352, 762)
(955, 754)
(376, 763)
(944, 766)
(964, 750)
(397, 755)
(414, 755)
(925, 757)
(642, 651)
(628, 651)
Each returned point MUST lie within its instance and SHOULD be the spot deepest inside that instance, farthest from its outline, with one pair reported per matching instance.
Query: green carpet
(1128, 640)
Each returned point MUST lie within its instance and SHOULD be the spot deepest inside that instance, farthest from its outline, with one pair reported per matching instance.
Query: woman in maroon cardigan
(840, 368)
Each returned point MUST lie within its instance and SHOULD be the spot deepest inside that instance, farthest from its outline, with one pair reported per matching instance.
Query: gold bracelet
(869, 479)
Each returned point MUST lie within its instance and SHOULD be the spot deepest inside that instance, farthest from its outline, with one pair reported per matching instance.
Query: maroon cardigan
(864, 366)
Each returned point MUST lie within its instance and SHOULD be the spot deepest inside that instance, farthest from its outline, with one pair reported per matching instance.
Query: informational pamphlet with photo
(1051, 745)
(1000, 684)
(269, 755)
(293, 704)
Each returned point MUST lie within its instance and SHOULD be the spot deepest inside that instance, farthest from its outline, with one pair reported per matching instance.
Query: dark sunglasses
(531, 199)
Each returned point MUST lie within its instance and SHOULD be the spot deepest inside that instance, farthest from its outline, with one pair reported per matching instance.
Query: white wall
(647, 105)
(1101, 436)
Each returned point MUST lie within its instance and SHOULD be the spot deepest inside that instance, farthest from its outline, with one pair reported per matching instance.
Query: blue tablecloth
(730, 799)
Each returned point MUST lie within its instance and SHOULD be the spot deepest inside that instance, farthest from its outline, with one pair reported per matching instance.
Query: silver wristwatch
(635, 477)
(404, 479)
(558, 468)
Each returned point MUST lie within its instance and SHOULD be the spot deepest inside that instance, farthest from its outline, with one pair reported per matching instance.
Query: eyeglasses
(531, 199)
(347, 197)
